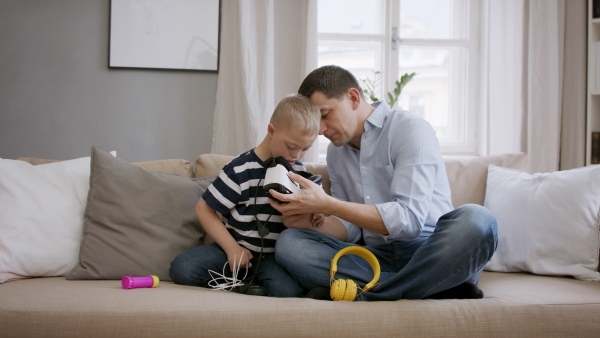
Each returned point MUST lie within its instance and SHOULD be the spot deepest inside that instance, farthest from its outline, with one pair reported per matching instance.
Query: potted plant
(370, 85)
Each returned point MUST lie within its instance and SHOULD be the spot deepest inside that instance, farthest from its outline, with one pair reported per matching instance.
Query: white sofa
(515, 304)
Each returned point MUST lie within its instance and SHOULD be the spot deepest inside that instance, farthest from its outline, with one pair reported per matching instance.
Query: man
(389, 190)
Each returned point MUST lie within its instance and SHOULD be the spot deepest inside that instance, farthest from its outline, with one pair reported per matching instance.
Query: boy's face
(289, 143)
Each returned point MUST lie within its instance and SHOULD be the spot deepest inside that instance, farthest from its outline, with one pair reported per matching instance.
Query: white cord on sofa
(228, 283)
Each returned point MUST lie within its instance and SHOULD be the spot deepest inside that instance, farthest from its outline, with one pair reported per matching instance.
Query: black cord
(262, 230)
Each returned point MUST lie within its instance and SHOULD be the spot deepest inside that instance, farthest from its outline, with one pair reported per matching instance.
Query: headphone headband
(362, 253)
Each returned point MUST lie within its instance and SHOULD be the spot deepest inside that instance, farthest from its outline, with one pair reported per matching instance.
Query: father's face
(338, 123)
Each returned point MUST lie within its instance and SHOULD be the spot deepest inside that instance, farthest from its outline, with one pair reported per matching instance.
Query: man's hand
(312, 199)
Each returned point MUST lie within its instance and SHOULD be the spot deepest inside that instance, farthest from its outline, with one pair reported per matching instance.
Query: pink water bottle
(129, 282)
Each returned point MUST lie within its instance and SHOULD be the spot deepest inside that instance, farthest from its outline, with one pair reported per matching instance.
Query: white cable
(228, 283)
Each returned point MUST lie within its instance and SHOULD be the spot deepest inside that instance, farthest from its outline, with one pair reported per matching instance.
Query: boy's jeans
(463, 242)
(191, 268)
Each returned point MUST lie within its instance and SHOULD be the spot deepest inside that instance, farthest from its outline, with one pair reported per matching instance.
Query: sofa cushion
(136, 221)
(37, 161)
(41, 216)
(515, 305)
(547, 222)
(210, 164)
(468, 176)
(175, 166)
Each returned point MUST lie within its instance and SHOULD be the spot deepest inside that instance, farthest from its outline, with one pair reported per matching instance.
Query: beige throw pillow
(136, 221)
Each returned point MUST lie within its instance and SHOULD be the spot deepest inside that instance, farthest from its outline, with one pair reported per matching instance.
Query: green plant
(371, 86)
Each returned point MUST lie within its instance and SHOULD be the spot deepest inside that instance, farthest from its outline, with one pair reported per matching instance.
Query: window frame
(467, 132)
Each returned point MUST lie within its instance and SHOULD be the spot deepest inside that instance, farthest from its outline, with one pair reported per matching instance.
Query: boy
(239, 196)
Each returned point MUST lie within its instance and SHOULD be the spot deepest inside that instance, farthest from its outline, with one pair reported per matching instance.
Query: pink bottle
(129, 282)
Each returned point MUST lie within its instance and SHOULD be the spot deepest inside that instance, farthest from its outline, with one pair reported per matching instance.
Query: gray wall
(58, 97)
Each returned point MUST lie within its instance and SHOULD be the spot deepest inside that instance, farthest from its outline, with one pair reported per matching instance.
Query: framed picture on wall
(165, 34)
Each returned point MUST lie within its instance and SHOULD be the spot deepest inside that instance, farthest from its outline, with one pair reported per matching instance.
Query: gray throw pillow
(136, 221)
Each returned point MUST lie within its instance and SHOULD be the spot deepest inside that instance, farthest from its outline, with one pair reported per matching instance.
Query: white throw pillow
(41, 216)
(547, 222)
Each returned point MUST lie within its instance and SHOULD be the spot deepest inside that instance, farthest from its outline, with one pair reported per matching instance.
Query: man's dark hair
(333, 81)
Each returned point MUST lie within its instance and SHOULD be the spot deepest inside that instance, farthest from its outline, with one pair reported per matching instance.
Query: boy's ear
(271, 129)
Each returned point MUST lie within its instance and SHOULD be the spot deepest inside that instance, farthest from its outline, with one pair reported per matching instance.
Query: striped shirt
(233, 194)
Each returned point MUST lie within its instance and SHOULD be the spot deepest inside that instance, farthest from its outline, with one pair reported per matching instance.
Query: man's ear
(354, 95)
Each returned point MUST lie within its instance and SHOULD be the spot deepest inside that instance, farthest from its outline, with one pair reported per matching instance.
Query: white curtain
(535, 53)
(267, 47)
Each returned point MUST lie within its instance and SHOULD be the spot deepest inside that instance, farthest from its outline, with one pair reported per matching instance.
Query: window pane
(437, 91)
(433, 19)
(361, 58)
(351, 16)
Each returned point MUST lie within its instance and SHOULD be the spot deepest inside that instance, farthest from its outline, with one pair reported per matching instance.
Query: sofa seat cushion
(515, 304)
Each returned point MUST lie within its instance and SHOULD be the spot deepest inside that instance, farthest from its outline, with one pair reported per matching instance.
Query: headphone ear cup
(338, 288)
(347, 289)
(350, 293)
(343, 289)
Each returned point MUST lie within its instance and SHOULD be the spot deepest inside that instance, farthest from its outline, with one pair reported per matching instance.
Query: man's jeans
(463, 242)
(191, 268)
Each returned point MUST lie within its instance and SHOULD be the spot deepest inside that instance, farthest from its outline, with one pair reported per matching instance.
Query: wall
(58, 97)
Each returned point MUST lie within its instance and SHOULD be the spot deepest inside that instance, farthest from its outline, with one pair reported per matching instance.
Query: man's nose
(322, 128)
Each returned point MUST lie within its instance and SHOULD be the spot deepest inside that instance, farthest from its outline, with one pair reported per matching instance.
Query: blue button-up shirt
(399, 169)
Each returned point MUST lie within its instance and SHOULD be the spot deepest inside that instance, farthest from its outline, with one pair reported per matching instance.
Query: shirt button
(368, 197)
(364, 167)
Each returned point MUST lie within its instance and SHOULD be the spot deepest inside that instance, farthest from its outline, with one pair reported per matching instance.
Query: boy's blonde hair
(298, 112)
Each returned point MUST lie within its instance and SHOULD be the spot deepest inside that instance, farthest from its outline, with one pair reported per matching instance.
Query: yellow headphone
(346, 289)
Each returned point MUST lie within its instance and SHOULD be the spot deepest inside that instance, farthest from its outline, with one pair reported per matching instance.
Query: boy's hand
(317, 220)
(239, 257)
(298, 221)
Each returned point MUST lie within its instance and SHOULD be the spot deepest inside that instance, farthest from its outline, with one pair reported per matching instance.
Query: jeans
(463, 242)
(191, 268)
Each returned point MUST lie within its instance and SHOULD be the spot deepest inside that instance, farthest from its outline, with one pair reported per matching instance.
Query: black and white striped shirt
(233, 195)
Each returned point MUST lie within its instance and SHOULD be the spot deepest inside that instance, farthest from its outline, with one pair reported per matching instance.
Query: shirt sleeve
(416, 157)
(225, 191)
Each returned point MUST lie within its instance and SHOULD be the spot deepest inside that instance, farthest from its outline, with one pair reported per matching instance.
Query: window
(379, 40)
